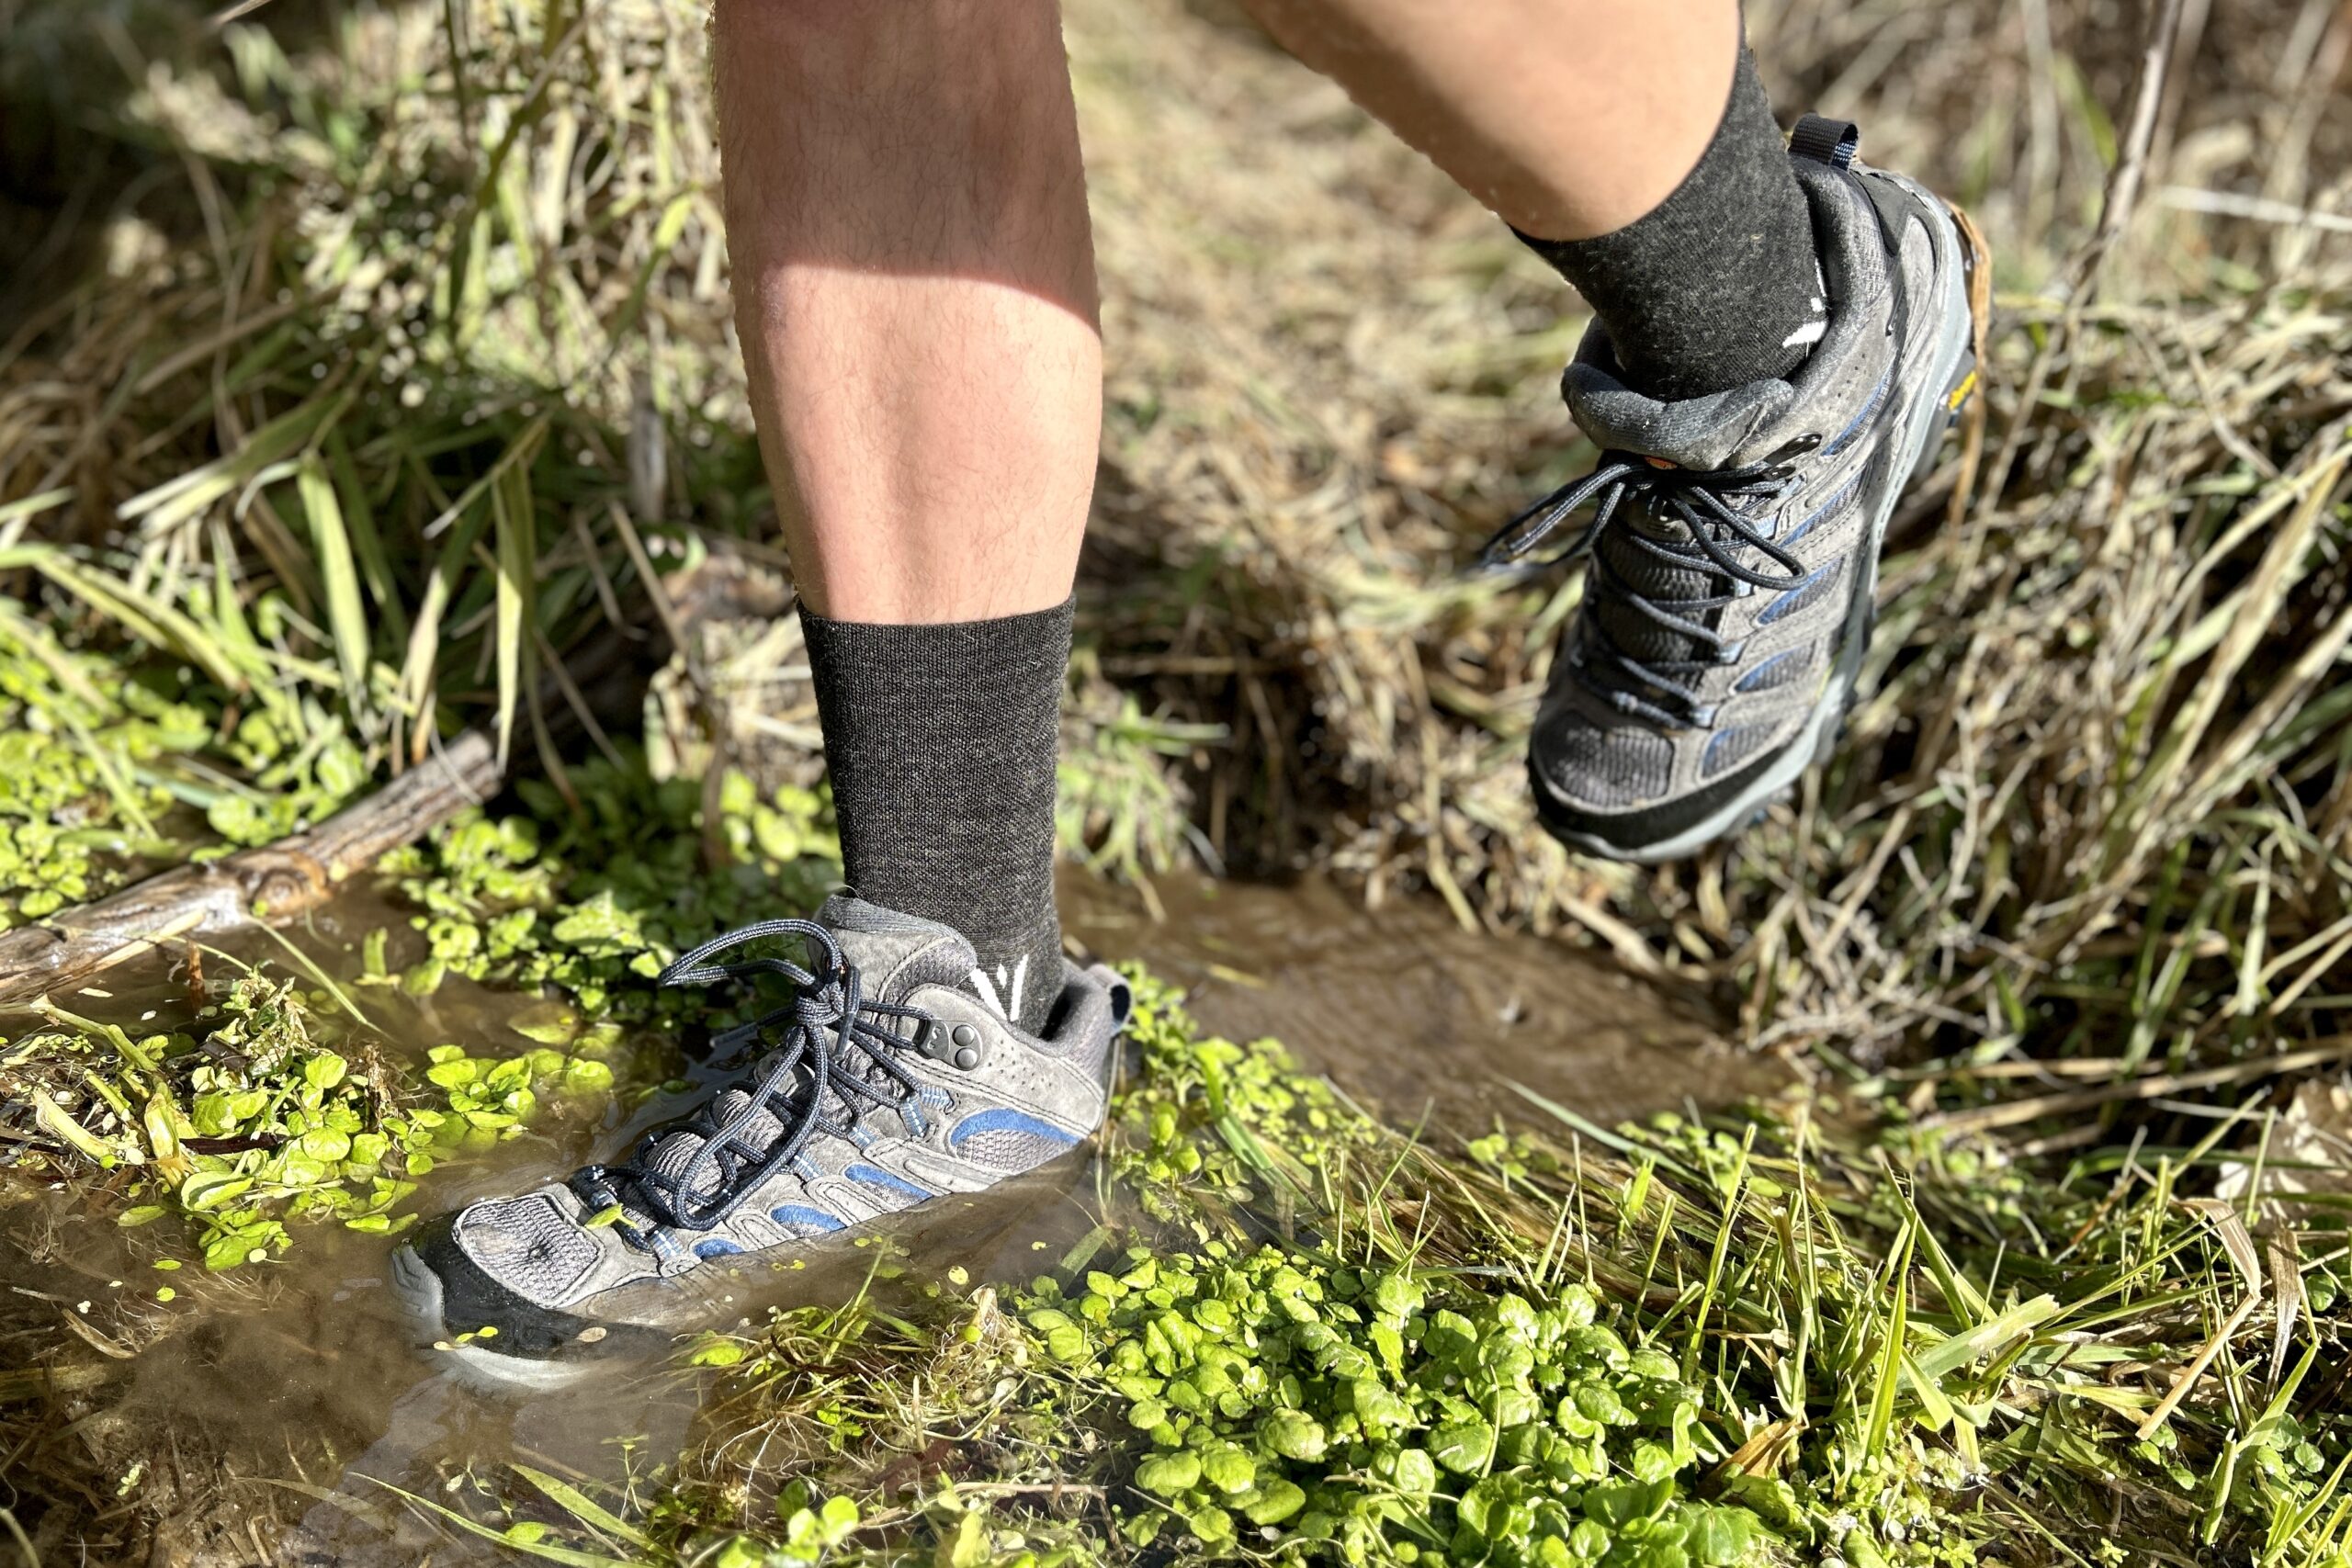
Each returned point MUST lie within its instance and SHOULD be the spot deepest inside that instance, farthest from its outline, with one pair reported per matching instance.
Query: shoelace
(1660, 692)
(830, 1030)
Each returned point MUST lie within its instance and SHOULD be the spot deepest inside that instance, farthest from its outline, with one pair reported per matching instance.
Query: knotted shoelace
(1661, 691)
(830, 1048)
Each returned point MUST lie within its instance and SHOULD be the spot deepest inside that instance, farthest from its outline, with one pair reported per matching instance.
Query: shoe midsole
(418, 1289)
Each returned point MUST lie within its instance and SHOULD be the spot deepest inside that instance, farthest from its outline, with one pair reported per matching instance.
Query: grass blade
(346, 615)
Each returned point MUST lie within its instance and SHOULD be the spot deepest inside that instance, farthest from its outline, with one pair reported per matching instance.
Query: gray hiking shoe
(891, 1077)
(1734, 550)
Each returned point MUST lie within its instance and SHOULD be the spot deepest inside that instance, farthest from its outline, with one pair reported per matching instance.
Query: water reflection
(323, 1421)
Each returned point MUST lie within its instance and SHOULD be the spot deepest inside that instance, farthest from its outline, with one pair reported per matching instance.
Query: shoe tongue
(1703, 433)
(1628, 629)
(895, 953)
(670, 1156)
(1717, 431)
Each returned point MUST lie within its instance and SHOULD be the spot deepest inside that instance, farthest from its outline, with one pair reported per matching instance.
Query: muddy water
(280, 1413)
(1405, 1009)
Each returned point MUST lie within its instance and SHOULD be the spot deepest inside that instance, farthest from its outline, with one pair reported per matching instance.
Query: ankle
(1718, 286)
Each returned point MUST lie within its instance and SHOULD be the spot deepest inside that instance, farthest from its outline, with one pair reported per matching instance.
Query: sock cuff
(1715, 286)
(1019, 623)
(1019, 635)
(941, 739)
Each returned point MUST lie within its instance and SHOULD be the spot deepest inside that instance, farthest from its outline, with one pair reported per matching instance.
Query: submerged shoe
(1734, 550)
(886, 1081)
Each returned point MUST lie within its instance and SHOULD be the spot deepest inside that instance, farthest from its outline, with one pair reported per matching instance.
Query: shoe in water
(1735, 543)
(891, 1077)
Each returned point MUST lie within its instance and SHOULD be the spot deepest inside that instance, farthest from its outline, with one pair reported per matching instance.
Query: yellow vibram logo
(1960, 393)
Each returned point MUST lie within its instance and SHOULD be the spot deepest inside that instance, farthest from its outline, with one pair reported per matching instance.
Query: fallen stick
(272, 883)
(2008, 1113)
(276, 883)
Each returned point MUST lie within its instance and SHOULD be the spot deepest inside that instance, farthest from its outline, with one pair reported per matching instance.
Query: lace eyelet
(959, 1047)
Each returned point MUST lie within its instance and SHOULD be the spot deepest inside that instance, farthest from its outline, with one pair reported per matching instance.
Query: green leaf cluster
(79, 791)
(107, 760)
(257, 1118)
(597, 903)
(1390, 1415)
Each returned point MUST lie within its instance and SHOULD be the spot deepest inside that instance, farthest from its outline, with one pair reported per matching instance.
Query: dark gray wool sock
(942, 742)
(1717, 286)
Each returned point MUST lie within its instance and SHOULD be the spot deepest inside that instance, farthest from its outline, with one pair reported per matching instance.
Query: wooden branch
(281, 881)
(2149, 1086)
(274, 882)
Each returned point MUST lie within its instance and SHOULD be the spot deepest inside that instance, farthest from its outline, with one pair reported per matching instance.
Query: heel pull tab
(1830, 141)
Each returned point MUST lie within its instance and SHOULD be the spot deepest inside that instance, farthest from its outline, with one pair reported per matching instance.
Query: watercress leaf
(1169, 1475)
(1463, 1445)
(1719, 1537)
(1276, 1501)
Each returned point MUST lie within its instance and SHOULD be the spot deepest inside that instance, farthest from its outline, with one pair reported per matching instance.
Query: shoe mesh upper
(527, 1245)
(1695, 708)
(1732, 747)
(1009, 1148)
(1613, 766)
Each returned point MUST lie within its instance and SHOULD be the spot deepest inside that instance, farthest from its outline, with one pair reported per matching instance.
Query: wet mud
(289, 1413)
(1407, 1010)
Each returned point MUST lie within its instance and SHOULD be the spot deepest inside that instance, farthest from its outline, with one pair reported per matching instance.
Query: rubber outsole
(418, 1289)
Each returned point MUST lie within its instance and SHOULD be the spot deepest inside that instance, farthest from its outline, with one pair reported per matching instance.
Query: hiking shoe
(1734, 548)
(891, 1077)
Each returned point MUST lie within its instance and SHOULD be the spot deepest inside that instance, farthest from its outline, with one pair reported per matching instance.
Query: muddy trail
(287, 1412)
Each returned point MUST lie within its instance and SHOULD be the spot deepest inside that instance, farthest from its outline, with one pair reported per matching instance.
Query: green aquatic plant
(108, 765)
(266, 1113)
(596, 903)
(1391, 1414)
(1210, 1125)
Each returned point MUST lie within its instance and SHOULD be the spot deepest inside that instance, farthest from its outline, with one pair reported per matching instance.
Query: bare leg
(1569, 119)
(914, 287)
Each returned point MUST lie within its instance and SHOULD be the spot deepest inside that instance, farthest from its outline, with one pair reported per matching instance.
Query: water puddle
(1410, 1012)
(275, 1414)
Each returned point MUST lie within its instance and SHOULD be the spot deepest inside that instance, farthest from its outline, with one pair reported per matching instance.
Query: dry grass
(479, 315)
(2104, 714)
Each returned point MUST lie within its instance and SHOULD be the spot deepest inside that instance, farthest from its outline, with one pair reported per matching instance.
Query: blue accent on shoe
(1758, 677)
(715, 1247)
(1006, 1121)
(1845, 493)
(1739, 743)
(1870, 411)
(874, 1176)
(1795, 597)
(802, 1214)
